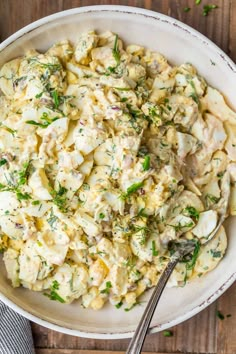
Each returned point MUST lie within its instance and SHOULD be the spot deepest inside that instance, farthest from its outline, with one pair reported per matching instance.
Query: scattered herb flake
(167, 333)
(192, 212)
(187, 9)
(220, 315)
(208, 8)
(107, 288)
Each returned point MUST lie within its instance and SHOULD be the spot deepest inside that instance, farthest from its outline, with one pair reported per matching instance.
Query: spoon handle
(136, 343)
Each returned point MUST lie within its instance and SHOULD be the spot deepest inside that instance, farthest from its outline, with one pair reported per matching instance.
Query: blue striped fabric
(15, 333)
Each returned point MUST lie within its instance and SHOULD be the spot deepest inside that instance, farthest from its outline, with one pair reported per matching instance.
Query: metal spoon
(182, 249)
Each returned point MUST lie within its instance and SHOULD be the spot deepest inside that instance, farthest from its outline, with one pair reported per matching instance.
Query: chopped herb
(186, 9)
(167, 334)
(198, 2)
(101, 216)
(194, 94)
(124, 99)
(22, 196)
(216, 254)
(146, 163)
(131, 308)
(53, 294)
(46, 121)
(115, 50)
(35, 202)
(52, 219)
(24, 173)
(191, 264)
(39, 243)
(154, 251)
(141, 213)
(132, 189)
(118, 306)
(39, 95)
(179, 226)
(107, 289)
(220, 315)
(191, 211)
(59, 198)
(3, 162)
(55, 99)
(212, 62)
(208, 8)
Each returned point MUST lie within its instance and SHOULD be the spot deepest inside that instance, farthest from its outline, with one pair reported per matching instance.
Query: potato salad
(108, 155)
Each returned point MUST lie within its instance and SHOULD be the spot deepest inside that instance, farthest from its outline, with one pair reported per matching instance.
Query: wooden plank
(226, 329)
(196, 335)
(232, 30)
(72, 351)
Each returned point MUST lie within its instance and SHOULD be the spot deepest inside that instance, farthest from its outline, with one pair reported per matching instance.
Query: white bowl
(179, 43)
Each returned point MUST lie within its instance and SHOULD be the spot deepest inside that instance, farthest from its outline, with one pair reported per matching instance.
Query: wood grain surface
(205, 333)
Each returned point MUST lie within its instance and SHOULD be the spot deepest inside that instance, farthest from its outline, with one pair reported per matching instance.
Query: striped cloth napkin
(15, 333)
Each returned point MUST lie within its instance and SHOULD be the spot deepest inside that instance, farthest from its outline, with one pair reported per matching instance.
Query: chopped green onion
(115, 50)
(154, 251)
(146, 163)
(55, 98)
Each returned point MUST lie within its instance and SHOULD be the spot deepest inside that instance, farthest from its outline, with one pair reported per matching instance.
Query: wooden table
(205, 333)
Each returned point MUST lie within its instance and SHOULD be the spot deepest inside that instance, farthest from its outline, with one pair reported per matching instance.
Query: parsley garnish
(22, 196)
(115, 50)
(191, 211)
(107, 289)
(35, 202)
(53, 294)
(101, 216)
(146, 163)
(59, 198)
